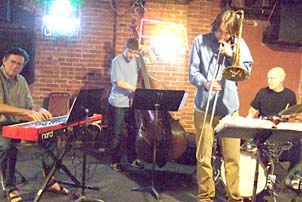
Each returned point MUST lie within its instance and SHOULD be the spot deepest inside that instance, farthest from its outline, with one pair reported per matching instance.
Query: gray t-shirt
(122, 70)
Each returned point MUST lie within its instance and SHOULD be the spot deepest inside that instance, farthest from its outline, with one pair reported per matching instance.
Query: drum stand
(271, 177)
(259, 139)
(216, 162)
(295, 174)
(299, 191)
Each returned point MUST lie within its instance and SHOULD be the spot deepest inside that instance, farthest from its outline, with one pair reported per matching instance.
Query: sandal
(14, 196)
(54, 187)
(296, 183)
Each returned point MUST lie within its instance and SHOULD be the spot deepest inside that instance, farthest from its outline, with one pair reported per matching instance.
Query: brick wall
(62, 65)
(69, 66)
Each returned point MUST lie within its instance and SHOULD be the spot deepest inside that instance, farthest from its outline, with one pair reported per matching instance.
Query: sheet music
(183, 101)
(243, 122)
(242, 127)
(289, 126)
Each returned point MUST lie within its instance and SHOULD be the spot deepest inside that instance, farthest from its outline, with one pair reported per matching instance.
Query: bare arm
(29, 115)
(7, 109)
(253, 113)
(125, 85)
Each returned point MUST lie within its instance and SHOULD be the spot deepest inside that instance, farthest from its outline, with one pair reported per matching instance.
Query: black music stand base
(151, 190)
(83, 198)
(91, 187)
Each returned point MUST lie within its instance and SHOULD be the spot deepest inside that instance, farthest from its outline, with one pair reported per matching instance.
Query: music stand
(85, 105)
(157, 100)
(89, 103)
(86, 99)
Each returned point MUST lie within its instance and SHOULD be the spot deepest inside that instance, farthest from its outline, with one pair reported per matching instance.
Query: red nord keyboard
(36, 131)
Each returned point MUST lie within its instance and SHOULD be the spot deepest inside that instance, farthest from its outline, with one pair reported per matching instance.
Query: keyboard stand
(58, 164)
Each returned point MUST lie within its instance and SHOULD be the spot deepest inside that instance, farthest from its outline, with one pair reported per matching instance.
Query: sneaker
(137, 164)
(117, 167)
(296, 184)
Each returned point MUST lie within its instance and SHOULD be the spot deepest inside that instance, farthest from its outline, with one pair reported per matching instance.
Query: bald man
(269, 101)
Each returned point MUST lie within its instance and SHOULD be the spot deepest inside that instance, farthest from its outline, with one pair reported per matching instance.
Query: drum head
(247, 174)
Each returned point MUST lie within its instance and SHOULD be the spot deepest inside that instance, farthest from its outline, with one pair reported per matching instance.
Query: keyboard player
(16, 105)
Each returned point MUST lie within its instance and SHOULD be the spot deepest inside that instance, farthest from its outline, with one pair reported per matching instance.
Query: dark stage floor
(175, 182)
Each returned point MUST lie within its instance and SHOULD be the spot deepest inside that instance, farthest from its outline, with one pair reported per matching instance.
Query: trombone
(235, 72)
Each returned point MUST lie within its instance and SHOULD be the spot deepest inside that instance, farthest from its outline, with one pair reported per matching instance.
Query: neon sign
(156, 30)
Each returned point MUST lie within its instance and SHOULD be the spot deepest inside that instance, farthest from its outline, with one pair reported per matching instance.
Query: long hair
(230, 19)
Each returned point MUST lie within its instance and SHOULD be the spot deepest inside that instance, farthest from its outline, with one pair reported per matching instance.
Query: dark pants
(8, 159)
(296, 154)
(117, 117)
(293, 155)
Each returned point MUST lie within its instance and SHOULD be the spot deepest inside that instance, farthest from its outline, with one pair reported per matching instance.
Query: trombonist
(211, 53)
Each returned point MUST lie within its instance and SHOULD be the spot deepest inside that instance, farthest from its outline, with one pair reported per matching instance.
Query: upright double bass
(167, 132)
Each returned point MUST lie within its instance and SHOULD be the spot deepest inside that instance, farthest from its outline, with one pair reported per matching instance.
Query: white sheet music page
(243, 122)
(290, 126)
(183, 101)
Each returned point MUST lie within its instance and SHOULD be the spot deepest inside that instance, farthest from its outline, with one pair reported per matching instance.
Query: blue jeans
(117, 117)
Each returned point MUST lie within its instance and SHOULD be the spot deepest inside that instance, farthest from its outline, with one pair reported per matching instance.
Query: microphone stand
(83, 196)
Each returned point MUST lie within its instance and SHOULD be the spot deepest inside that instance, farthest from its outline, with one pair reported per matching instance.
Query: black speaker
(291, 24)
(285, 28)
(5, 10)
(23, 38)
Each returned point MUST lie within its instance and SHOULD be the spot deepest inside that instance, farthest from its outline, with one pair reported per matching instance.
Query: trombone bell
(235, 73)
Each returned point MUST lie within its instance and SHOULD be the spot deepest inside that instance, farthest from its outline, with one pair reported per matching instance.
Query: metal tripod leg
(83, 183)
(151, 188)
(23, 179)
(270, 184)
(85, 199)
(2, 185)
(271, 177)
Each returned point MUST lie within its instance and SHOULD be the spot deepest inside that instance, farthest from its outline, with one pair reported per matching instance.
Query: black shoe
(117, 167)
(136, 164)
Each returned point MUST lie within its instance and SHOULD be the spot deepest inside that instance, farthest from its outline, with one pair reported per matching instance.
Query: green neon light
(73, 2)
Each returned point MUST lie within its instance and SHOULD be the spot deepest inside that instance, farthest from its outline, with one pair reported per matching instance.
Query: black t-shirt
(270, 103)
